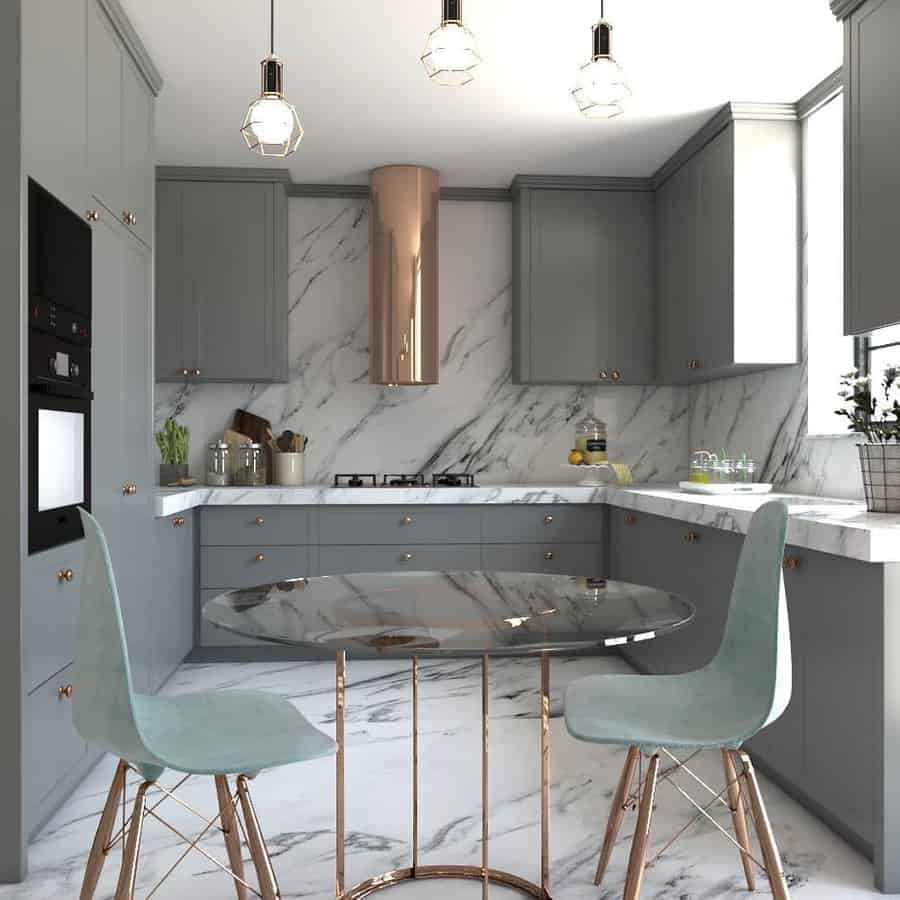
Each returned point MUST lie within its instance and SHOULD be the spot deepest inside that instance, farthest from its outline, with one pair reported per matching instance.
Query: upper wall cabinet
(583, 282)
(119, 125)
(221, 279)
(871, 183)
(727, 248)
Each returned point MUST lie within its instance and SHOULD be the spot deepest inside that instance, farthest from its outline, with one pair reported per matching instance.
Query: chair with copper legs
(221, 734)
(667, 720)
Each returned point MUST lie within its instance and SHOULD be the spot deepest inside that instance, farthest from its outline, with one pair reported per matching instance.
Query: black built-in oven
(59, 370)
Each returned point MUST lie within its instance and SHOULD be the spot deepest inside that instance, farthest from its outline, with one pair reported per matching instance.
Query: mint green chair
(219, 733)
(719, 707)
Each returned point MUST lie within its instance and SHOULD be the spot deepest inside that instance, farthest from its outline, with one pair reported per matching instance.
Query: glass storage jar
(701, 466)
(590, 439)
(218, 464)
(251, 467)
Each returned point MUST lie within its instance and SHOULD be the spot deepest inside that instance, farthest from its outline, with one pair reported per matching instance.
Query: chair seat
(226, 732)
(700, 709)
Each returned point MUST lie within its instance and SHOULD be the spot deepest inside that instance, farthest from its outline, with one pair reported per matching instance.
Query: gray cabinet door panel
(50, 612)
(555, 559)
(52, 746)
(400, 525)
(342, 560)
(534, 523)
(138, 171)
(175, 326)
(230, 568)
(247, 526)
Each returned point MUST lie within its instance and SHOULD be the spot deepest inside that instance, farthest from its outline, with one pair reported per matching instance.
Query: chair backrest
(755, 654)
(103, 703)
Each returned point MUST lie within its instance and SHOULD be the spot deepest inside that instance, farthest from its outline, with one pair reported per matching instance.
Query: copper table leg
(545, 775)
(339, 696)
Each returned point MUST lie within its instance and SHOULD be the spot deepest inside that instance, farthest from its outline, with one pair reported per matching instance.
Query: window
(830, 353)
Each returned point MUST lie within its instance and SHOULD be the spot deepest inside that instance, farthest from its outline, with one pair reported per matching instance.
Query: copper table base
(482, 873)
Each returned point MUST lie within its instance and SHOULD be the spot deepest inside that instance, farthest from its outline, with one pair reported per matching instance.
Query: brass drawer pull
(695, 364)
(195, 372)
(616, 375)
(603, 375)
(184, 372)
(406, 557)
(65, 576)
(549, 555)
(259, 520)
(792, 562)
(260, 557)
(65, 691)
(631, 520)
(178, 521)
(129, 218)
(407, 520)
(129, 489)
(548, 520)
(92, 215)
(692, 537)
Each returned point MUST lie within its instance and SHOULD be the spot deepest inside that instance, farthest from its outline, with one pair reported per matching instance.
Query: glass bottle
(590, 439)
(218, 463)
(251, 467)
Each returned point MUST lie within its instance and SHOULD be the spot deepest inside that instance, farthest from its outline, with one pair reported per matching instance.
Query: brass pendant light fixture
(451, 52)
(601, 88)
(272, 126)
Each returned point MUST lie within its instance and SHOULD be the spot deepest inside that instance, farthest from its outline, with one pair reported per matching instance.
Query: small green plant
(173, 443)
(879, 424)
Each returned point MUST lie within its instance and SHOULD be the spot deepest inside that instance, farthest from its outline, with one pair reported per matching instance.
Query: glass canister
(251, 467)
(218, 464)
(590, 439)
(702, 462)
(745, 470)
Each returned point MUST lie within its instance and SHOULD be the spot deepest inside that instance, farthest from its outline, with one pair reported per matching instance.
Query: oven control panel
(61, 322)
(50, 361)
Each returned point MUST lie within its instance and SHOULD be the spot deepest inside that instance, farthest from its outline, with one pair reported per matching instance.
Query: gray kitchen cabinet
(538, 523)
(872, 189)
(54, 67)
(726, 248)
(553, 559)
(230, 568)
(342, 560)
(248, 526)
(138, 151)
(399, 525)
(221, 293)
(583, 284)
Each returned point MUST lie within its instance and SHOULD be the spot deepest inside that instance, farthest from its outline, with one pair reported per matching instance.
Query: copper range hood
(403, 275)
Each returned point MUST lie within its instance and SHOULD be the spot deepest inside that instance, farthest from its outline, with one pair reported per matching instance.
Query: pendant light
(272, 126)
(451, 52)
(600, 87)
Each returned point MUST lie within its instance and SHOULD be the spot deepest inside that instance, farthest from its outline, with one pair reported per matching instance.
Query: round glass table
(415, 614)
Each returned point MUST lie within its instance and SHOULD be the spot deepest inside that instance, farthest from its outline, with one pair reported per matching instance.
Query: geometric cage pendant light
(451, 53)
(600, 88)
(272, 126)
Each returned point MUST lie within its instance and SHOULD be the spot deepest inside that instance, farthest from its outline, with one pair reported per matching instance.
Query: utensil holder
(290, 469)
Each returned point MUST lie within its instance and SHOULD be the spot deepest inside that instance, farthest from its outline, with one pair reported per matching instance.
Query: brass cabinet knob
(184, 372)
(792, 562)
(407, 520)
(631, 519)
(549, 555)
(129, 489)
(195, 372)
(406, 557)
(128, 217)
(260, 557)
(92, 215)
(548, 519)
(66, 576)
(178, 521)
(259, 520)
(603, 375)
(65, 691)
(695, 364)
(616, 375)
(691, 537)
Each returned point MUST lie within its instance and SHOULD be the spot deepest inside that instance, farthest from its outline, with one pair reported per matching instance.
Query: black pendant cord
(602, 9)
(272, 28)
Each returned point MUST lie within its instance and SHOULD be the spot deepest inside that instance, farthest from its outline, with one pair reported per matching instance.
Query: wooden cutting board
(259, 430)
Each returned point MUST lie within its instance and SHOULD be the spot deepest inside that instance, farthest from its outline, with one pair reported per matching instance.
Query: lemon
(576, 458)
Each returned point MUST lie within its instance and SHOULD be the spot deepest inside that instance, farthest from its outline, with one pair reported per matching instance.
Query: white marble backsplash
(475, 420)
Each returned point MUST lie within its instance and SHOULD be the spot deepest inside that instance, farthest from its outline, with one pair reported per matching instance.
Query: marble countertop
(842, 527)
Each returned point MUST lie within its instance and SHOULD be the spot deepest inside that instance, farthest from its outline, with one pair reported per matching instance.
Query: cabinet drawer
(400, 525)
(50, 612)
(239, 567)
(554, 559)
(343, 560)
(250, 526)
(537, 524)
(52, 746)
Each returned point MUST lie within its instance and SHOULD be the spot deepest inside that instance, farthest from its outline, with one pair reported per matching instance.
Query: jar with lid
(590, 439)
(218, 464)
(251, 467)
(702, 463)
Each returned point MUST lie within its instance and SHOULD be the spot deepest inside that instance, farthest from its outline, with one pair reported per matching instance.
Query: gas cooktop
(401, 480)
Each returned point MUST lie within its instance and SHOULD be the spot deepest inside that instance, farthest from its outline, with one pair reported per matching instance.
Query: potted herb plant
(877, 418)
(173, 442)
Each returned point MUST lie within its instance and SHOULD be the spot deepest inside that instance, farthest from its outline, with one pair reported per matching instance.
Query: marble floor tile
(296, 804)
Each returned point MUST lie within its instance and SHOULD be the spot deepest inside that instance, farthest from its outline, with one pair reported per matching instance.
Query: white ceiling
(352, 69)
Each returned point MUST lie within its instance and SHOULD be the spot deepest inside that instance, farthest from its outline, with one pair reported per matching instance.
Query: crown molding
(844, 8)
(579, 183)
(332, 191)
(477, 194)
(222, 173)
(822, 93)
(773, 112)
(135, 46)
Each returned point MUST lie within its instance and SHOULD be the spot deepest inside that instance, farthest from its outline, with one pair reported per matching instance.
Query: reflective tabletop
(450, 613)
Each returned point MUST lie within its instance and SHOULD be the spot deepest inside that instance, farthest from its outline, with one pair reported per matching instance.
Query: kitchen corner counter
(840, 527)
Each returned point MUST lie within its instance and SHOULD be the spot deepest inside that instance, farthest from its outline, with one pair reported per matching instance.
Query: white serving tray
(697, 487)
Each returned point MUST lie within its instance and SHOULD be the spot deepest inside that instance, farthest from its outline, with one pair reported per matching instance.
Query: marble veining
(296, 803)
(475, 420)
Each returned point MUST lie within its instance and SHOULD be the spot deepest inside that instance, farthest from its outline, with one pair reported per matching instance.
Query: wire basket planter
(880, 465)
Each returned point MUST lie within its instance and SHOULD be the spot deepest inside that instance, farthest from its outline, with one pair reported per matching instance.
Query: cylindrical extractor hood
(403, 275)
